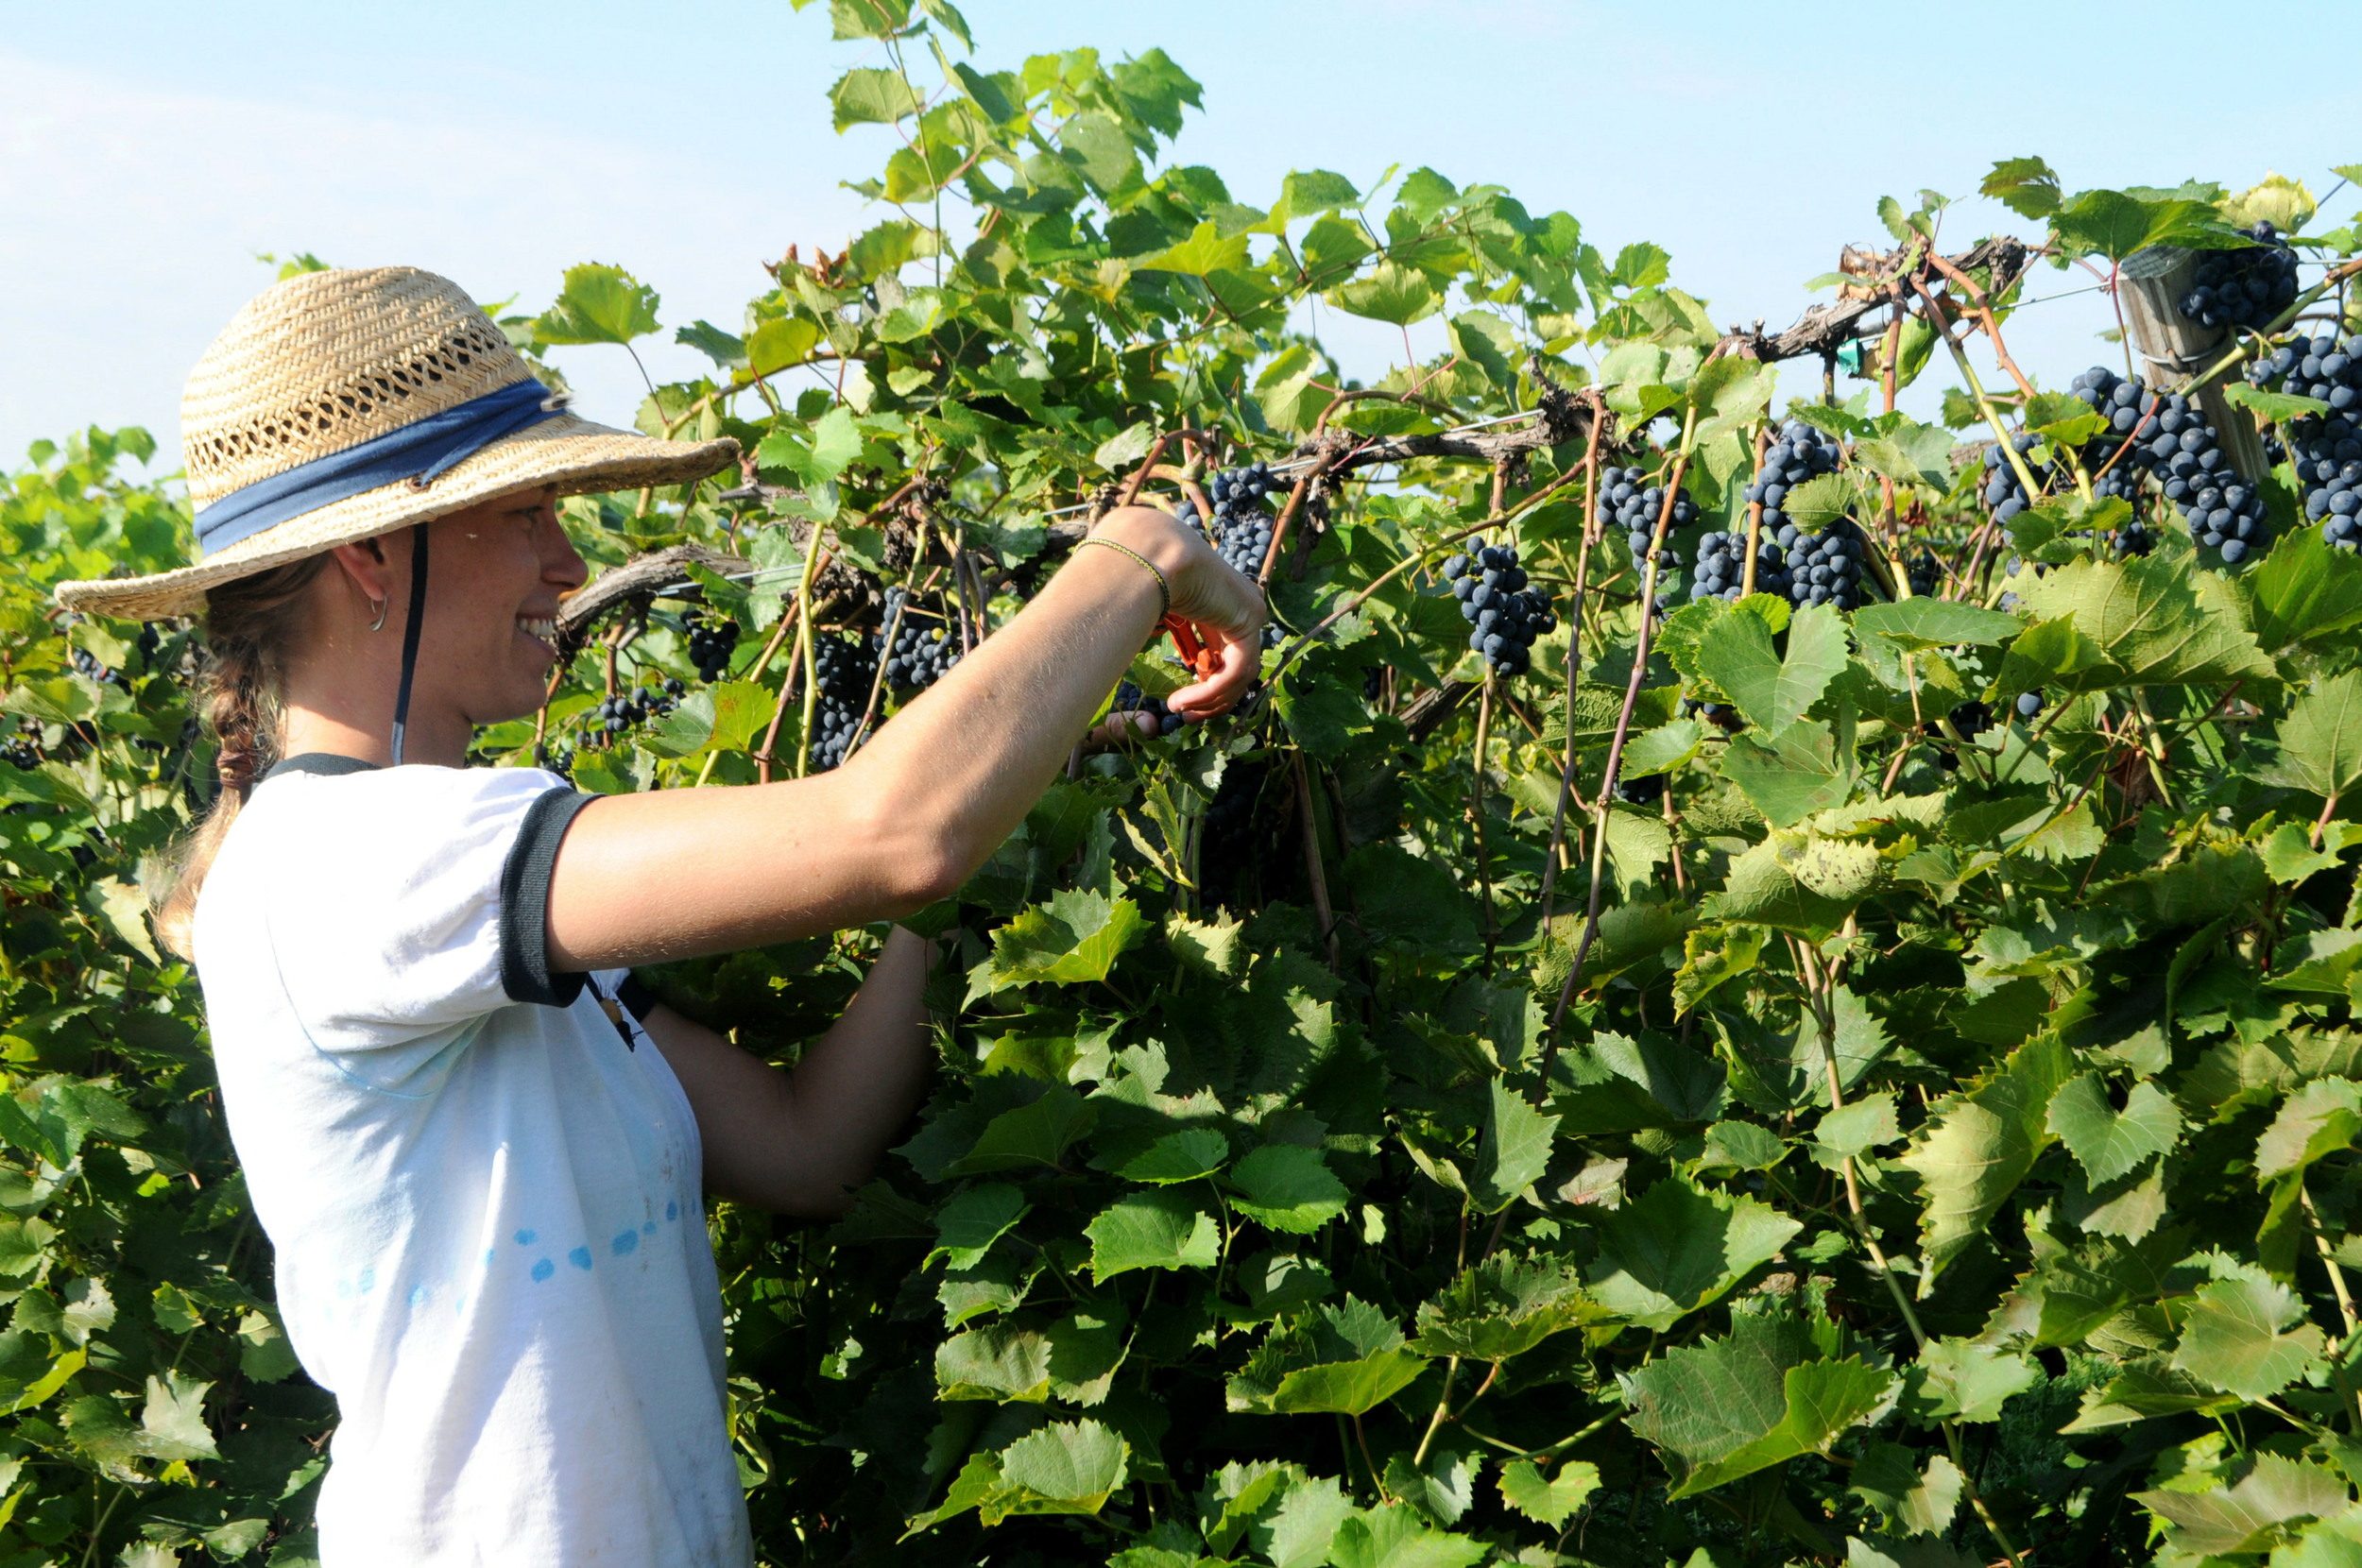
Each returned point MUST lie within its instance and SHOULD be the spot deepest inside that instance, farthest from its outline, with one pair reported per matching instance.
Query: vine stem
(1616, 746)
(2016, 458)
(1984, 311)
(808, 649)
(1574, 652)
(1821, 982)
(2152, 748)
(1476, 811)
(1323, 910)
(1754, 516)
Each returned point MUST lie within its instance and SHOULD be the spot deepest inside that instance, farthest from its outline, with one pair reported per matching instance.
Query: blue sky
(147, 157)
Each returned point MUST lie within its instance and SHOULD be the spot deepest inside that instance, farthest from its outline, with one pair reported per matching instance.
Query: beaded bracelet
(1164, 589)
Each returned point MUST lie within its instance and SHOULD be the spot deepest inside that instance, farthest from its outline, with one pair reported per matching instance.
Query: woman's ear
(366, 566)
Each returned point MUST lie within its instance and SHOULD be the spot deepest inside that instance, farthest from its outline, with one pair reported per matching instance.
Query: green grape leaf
(1163, 1229)
(1920, 622)
(1964, 1379)
(867, 96)
(999, 1361)
(1679, 1246)
(2107, 1142)
(2146, 618)
(2026, 186)
(1804, 768)
(2322, 1118)
(2250, 1516)
(2305, 589)
(1770, 690)
(1348, 1388)
(1390, 292)
(1514, 1150)
(1182, 1156)
(1031, 1137)
(2245, 1335)
(1078, 1465)
(1395, 1536)
(2320, 740)
(1662, 749)
(1549, 1501)
(598, 304)
(1288, 1187)
(1978, 1146)
(1072, 939)
(966, 1227)
(1724, 1408)
(1501, 1308)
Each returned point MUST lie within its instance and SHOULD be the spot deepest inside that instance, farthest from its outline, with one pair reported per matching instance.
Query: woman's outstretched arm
(675, 873)
(800, 1142)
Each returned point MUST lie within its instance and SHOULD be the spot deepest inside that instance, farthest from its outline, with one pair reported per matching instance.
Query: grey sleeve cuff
(526, 903)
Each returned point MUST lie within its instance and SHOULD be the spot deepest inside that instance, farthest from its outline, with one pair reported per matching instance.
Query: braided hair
(249, 625)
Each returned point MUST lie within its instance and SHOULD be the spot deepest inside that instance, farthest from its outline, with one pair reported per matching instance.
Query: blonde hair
(249, 625)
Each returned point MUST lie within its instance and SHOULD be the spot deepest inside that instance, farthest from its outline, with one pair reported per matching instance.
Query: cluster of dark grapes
(1810, 568)
(2005, 493)
(1722, 566)
(559, 760)
(2173, 440)
(710, 644)
(21, 750)
(1925, 572)
(2328, 455)
(1631, 502)
(1970, 720)
(845, 670)
(86, 663)
(2247, 288)
(919, 656)
(1131, 699)
(1508, 614)
(2225, 510)
(1229, 844)
(2124, 403)
(1825, 568)
(620, 711)
(1240, 530)
(1801, 453)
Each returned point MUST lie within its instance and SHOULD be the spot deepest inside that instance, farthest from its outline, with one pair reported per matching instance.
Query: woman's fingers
(1238, 658)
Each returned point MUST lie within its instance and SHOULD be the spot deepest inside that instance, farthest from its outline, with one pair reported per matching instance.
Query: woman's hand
(1221, 601)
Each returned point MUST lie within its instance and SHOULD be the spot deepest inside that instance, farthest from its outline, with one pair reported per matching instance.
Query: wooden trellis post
(2174, 349)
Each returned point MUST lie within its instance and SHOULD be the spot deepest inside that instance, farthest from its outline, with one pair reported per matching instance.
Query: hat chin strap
(410, 633)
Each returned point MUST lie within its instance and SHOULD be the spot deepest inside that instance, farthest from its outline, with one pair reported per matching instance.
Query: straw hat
(325, 361)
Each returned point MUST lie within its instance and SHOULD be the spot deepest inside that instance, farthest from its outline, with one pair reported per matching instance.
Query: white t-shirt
(487, 1210)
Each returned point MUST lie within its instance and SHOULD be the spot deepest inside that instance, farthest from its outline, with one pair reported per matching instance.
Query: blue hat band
(420, 452)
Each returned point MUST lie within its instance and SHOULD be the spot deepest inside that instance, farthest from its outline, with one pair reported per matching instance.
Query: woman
(479, 1150)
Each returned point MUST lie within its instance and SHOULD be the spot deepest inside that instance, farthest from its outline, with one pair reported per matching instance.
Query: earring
(379, 624)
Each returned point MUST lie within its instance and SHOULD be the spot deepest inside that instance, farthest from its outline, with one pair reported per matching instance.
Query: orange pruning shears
(1195, 653)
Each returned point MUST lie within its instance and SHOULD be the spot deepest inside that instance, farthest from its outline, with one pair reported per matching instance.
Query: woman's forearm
(855, 1089)
(801, 1142)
